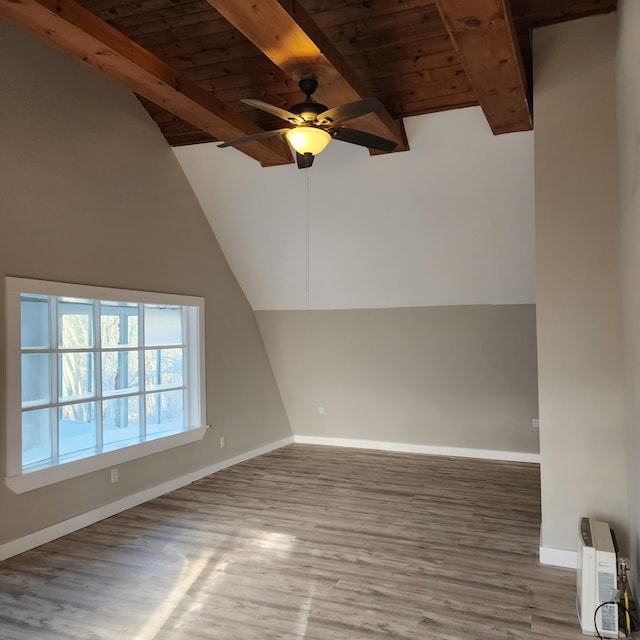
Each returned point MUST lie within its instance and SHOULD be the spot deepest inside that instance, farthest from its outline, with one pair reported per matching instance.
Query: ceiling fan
(316, 125)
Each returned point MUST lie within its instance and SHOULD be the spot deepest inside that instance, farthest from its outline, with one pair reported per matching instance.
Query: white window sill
(50, 475)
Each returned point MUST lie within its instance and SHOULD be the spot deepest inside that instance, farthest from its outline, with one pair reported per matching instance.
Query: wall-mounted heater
(597, 579)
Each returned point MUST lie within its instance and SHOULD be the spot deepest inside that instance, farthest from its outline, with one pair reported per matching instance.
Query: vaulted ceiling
(192, 62)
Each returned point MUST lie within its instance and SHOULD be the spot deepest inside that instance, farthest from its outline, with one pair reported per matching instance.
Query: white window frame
(19, 480)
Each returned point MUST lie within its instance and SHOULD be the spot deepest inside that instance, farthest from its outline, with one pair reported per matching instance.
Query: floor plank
(306, 542)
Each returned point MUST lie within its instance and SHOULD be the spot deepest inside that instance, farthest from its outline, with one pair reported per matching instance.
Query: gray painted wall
(91, 193)
(453, 376)
(628, 95)
(580, 347)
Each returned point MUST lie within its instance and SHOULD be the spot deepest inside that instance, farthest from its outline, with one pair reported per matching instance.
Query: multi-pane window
(99, 374)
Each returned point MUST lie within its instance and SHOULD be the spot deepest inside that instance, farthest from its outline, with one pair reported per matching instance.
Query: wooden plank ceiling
(191, 62)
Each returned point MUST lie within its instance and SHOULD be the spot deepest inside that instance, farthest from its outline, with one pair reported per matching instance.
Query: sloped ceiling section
(451, 223)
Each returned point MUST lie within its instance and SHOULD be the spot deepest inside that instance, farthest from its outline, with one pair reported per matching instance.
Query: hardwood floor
(306, 542)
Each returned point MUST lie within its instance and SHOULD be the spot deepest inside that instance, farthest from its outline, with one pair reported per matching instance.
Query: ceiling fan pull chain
(306, 210)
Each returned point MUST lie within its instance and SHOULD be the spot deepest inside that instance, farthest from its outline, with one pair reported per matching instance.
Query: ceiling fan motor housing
(308, 110)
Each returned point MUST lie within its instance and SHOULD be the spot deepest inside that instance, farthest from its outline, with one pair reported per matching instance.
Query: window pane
(34, 322)
(120, 419)
(99, 372)
(36, 436)
(119, 371)
(165, 412)
(36, 378)
(119, 324)
(162, 325)
(75, 324)
(77, 427)
(163, 367)
(76, 375)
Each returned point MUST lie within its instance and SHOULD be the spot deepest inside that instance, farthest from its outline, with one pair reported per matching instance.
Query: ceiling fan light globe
(308, 139)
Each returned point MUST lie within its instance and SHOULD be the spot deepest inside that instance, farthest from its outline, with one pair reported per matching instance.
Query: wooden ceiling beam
(70, 27)
(289, 37)
(485, 38)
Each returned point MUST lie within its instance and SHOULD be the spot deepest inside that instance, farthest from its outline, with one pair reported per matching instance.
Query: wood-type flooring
(308, 542)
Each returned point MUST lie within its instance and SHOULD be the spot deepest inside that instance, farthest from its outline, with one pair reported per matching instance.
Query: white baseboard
(457, 452)
(37, 538)
(558, 557)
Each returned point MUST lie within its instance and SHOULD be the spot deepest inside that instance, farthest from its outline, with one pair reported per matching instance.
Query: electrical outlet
(222, 442)
(321, 411)
(114, 475)
(535, 423)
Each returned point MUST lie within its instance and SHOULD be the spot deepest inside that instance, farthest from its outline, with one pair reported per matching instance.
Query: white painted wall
(450, 222)
(579, 320)
(628, 99)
